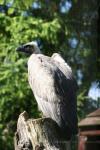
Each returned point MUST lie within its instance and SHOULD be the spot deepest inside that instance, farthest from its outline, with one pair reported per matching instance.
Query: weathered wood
(38, 134)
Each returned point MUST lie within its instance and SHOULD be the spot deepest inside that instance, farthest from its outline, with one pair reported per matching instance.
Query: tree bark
(38, 134)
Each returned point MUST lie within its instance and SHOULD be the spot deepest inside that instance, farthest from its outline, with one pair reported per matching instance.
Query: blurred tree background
(68, 27)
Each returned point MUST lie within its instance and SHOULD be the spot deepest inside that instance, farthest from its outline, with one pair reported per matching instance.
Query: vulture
(54, 87)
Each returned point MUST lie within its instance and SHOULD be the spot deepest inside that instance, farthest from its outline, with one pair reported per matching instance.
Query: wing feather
(65, 68)
(68, 103)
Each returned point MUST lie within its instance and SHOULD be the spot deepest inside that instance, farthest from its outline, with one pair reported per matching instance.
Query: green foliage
(15, 92)
(20, 24)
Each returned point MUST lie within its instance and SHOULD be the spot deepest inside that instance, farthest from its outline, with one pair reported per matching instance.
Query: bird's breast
(41, 78)
(40, 72)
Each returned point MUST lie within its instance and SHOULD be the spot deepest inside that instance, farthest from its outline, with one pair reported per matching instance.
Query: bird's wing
(62, 65)
(65, 68)
(68, 87)
(68, 104)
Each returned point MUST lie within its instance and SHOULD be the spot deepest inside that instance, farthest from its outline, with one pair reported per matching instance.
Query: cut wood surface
(38, 134)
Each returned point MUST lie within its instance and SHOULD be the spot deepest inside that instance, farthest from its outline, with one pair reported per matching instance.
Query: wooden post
(38, 134)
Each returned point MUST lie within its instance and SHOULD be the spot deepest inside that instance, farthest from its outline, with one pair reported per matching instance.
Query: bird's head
(29, 48)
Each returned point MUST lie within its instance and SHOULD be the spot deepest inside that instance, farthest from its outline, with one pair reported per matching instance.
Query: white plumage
(54, 88)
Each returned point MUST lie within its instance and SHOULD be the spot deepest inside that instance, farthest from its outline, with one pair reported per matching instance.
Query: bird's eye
(27, 46)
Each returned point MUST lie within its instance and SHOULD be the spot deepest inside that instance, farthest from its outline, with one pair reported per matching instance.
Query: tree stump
(38, 134)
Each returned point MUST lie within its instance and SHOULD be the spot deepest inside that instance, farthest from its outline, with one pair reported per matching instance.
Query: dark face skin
(29, 49)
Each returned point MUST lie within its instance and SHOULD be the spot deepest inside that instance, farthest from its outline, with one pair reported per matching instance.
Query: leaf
(1, 2)
(11, 11)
